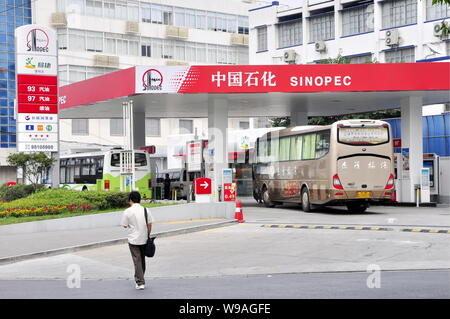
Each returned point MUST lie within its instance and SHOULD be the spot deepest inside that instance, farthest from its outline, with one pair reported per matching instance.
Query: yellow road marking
(375, 228)
(416, 230)
(433, 230)
(220, 228)
(190, 221)
(358, 227)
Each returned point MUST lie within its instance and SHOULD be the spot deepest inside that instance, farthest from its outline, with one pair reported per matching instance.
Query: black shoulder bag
(150, 248)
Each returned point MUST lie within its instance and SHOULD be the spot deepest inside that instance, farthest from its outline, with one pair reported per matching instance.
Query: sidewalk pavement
(15, 247)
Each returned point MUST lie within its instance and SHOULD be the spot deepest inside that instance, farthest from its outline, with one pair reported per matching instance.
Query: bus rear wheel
(266, 199)
(357, 207)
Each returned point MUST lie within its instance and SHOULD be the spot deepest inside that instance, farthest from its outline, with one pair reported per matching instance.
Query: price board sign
(37, 89)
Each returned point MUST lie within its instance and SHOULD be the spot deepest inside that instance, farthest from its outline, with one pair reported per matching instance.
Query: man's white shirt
(134, 217)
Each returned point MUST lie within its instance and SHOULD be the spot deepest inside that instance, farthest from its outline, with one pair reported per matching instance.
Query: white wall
(420, 35)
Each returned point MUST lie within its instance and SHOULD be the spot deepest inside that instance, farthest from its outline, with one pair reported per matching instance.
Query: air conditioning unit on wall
(392, 37)
(108, 61)
(320, 46)
(290, 56)
(58, 19)
(132, 27)
(437, 28)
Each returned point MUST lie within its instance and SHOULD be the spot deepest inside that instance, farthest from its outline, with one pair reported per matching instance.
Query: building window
(94, 41)
(94, 7)
(366, 58)
(399, 12)
(399, 55)
(243, 25)
(357, 20)
(186, 126)
(321, 27)
(244, 125)
(152, 127)
(290, 33)
(116, 127)
(80, 127)
(437, 11)
(262, 38)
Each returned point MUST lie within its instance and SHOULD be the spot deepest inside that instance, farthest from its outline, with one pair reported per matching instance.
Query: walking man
(134, 219)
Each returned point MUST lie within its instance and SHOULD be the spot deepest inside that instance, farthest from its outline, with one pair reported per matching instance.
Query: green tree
(33, 165)
(280, 121)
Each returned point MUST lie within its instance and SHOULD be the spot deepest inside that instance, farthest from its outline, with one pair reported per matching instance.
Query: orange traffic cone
(238, 214)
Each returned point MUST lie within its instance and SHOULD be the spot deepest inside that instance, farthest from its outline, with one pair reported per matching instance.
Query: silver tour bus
(349, 162)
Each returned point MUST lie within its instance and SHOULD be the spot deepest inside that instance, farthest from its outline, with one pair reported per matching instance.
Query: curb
(58, 251)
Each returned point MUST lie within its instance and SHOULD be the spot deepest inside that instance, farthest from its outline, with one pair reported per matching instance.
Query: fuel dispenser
(430, 161)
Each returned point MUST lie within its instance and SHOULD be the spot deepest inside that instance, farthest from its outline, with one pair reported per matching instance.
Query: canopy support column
(217, 157)
(412, 147)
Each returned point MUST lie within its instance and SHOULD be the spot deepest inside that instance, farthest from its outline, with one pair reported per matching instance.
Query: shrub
(10, 193)
(55, 201)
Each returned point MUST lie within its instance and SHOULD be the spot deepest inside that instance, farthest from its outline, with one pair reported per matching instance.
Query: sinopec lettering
(153, 88)
(38, 49)
(336, 80)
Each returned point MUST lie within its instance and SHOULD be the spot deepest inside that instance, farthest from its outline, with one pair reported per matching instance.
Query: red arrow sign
(202, 186)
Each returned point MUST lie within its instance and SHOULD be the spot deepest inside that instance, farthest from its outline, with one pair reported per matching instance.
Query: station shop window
(398, 12)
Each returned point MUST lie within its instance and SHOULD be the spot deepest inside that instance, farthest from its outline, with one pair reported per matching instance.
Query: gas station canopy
(256, 90)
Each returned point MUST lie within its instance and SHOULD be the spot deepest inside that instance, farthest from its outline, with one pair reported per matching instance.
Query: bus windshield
(374, 135)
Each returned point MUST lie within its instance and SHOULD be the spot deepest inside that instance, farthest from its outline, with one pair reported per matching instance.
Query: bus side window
(322, 143)
(309, 146)
(296, 148)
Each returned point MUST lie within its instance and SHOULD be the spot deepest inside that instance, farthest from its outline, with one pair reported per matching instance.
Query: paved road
(399, 284)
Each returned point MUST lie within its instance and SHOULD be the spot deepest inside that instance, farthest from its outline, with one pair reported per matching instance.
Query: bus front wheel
(266, 199)
(357, 207)
(306, 204)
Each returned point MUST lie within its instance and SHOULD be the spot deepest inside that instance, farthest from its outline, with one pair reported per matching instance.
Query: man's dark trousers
(137, 253)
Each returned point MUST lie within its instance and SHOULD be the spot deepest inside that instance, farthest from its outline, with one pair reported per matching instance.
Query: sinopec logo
(152, 80)
(37, 41)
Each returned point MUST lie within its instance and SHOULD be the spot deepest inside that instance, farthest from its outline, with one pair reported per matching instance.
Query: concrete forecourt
(282, 252)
